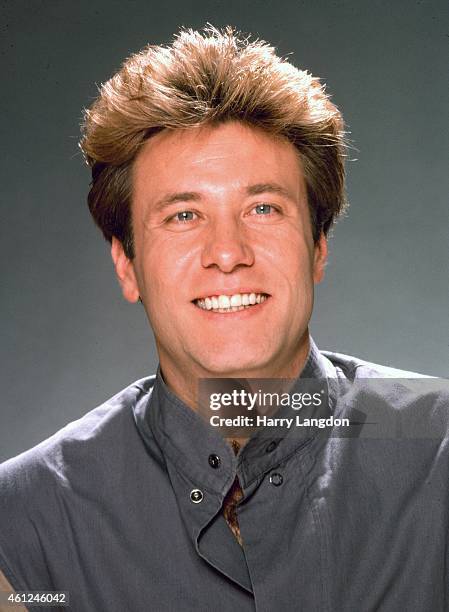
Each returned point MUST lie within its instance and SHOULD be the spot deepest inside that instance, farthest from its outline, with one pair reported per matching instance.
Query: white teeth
(236, 300)
(231, 303)
(224, 301)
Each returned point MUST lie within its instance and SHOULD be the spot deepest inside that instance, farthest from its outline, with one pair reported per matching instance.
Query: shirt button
(196, 496)
(214, 461)
(276, 479)
(270, 448)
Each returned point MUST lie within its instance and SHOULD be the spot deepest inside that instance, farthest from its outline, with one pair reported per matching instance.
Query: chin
(223, 366)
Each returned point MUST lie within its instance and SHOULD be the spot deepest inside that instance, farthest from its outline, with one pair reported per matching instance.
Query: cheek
(165, 270)
(290, 258)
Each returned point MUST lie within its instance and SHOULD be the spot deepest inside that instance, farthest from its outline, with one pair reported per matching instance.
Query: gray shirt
(103, 509)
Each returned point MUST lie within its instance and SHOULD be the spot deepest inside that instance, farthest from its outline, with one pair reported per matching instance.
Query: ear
(125, 271)
(319, 259)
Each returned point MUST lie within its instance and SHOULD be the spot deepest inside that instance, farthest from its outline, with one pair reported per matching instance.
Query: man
(217, 173)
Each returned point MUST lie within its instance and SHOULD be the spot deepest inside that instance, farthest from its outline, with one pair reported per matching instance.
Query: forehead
(228, 156)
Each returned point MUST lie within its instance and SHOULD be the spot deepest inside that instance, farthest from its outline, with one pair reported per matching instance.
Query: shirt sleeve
(23, 487)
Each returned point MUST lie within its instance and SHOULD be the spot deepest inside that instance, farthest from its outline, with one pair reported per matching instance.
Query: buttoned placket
(202, 468)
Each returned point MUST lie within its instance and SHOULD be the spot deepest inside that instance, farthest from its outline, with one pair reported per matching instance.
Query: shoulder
(354, 367)
(99, 433)
(417, 403)
(45, 490)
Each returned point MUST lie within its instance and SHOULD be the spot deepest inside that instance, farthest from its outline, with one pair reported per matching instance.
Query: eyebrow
(173, 198)
(193, 196)
(259, 188)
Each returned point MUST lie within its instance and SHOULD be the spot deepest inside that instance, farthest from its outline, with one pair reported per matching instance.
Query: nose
(227, 247)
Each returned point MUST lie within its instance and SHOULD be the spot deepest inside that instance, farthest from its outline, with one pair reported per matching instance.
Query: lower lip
(238, 314)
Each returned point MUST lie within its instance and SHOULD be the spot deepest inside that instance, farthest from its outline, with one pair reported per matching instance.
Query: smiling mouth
(230, 303)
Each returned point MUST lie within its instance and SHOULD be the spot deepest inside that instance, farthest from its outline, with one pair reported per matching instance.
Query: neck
(184, 381)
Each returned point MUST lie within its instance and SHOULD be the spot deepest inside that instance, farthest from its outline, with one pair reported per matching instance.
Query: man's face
(222, 211)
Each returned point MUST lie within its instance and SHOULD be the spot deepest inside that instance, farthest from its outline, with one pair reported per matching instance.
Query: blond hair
(204, 78)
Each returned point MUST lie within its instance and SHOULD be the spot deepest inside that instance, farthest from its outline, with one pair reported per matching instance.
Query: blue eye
(185, 215)
(263, 209)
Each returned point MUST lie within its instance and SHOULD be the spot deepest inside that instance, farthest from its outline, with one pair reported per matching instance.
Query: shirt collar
(187, 442)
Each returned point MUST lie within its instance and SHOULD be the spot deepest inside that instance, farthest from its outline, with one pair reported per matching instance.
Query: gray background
(69, 340)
